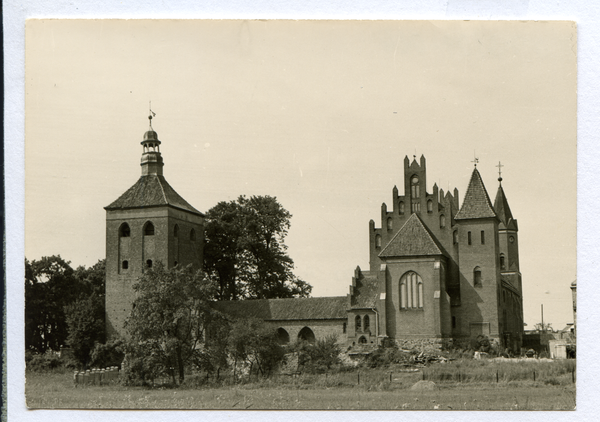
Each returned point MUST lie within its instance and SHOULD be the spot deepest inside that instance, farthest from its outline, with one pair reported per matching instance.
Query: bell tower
(149, 223)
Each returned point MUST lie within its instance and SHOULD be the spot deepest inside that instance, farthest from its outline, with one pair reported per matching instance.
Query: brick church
(439, 271)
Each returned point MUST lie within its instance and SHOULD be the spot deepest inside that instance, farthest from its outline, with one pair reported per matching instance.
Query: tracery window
(411, 291)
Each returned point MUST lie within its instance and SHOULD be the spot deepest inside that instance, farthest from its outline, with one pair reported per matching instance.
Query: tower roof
(151, 191)
(413, 239)
(477, 202)
(501, 206)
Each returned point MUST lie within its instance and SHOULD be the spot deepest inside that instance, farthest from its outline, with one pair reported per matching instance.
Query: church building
(439, 271)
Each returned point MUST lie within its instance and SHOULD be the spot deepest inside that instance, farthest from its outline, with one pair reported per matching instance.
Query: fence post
(534, 375)
(496, 376)
(390, 377)
(573, 375)
(358, 375)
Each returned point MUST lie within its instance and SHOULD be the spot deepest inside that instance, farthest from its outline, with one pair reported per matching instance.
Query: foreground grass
(371, 390)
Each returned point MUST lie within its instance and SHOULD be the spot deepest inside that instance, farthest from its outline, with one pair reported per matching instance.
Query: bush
(42, 362)
(319, 357)
(108, 354)
(385, 356)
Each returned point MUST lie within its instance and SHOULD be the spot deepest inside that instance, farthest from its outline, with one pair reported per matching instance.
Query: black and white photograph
(300, 215)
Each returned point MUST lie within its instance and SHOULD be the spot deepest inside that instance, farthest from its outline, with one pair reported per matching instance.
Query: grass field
(481, 386)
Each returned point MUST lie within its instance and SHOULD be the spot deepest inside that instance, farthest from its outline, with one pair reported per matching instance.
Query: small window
(124, 230)
(453, 322)
(401, 208)
(176, 231)
(149, 229)
(469, 238)
(430, 206)
(502, 263)
(125, 265)
(477, 276)
(193, 235)
(455, 237)
(357, 322)
(416, 206)
(442, 221)
(482, 237)
(378, 241)
(367, 323)
(390, 224)
(175, 263)
(149, 263)
(344, 328)
(415, 187)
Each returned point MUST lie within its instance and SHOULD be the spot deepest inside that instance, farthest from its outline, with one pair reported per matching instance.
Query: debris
(424, 385)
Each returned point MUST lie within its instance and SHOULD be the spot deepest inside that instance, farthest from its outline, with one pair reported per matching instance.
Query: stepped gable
(477, 203)
(151, 191)
(501, 207)
(413, 239)
(285, 309)
(365, 293)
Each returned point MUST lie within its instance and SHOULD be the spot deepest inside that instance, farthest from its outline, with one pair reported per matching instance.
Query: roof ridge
(162, 189)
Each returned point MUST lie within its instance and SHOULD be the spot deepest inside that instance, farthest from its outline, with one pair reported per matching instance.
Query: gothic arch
(149, 229)
(411, 291)
(307, 335)
(282, 336)
(124, 230)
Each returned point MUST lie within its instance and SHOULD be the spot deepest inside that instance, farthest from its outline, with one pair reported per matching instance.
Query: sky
(319, 114)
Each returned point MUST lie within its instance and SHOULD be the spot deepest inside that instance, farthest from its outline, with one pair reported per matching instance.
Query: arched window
(306, 334)
(455, 237)
(357, 322)
(362, 340)
(401, 207)
(482, 237)
(411, 291)
(502, 263)
(149, 263)
(390, 223)
(430, 206)
(477, 276)
(149, 229)
(442, 221)
(193, 235)
(414, 188)
(125, 265)
(344, 328)
(378, 241)
(367, 323)
(124, 230)
(176, 231)
(469, 238)
(282, 336)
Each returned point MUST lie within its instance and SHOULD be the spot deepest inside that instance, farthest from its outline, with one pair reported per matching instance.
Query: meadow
(459, 385)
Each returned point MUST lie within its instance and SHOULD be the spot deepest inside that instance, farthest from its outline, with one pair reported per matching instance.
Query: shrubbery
(319, 357)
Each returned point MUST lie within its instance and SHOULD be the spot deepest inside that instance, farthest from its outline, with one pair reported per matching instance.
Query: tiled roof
(501, 206)
(365, 293)
(413, 239)
(151, 191)
(477, 203)
(286, 309)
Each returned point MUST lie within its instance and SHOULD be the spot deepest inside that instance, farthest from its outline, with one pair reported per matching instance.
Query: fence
(96, 376)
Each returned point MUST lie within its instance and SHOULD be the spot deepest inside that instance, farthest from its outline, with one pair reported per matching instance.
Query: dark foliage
(319, 357)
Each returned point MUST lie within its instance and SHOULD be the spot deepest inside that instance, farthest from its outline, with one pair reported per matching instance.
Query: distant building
(574, 297)
(438, 272)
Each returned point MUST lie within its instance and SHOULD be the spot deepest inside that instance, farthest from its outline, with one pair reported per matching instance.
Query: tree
(169, 317)
(85, 322)
(543, 327)
(245, 251)
(252, 341)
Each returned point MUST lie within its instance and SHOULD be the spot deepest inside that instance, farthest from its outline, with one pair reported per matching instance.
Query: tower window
(149, 229)
(401, 207)
(390, 224)
(193, 234)
(502, 263)
(176, 231)
(125, 265)
(430, 206)
(414, 186)
(477, 276)
(469, 238)
(149, 263)
(442, 221)
(416, 206)
(455, 237)
(378, 241)
(124, 230)
(453, 322)
(344, 328)
(482, 237)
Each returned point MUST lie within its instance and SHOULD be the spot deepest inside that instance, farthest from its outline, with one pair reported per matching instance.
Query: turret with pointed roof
(477, 202)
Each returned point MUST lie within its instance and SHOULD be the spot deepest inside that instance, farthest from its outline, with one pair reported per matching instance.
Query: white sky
(318, 114)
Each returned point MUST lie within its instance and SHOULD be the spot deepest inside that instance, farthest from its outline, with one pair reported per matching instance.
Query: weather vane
(499, 171)
(475, 161)
(152, 114)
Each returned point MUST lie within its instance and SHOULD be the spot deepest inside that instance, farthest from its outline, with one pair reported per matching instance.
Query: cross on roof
(475, 161)
(499, 171)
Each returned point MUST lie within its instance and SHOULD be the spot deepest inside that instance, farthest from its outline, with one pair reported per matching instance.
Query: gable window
(414, 186)
(149, 229)
(442, 221)
(411, 291)
(378, 241)
(482, 237)
(430, 206)
(416, 206)
(477, 276)
(390, 224)
(469, 238)
(124, 230)
(401, 208)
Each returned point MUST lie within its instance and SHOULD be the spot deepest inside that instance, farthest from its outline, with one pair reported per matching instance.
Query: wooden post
(358, 375)
(496, 376)
(534, 375)
(573, 375)
(390, 377)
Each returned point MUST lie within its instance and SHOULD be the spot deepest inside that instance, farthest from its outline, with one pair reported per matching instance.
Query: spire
(152, 162)
(501, 206)
(477, 202)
